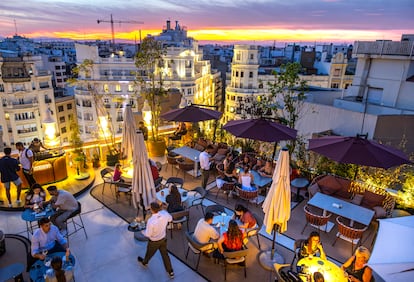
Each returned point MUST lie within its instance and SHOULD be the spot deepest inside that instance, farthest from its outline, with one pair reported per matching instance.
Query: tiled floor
(110, 252)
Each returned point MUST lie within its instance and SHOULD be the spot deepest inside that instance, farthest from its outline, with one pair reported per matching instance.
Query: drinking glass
(44, 252)
(48, 262)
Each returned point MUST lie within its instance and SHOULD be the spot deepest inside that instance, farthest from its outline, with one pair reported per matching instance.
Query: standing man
(64, 203)
(205, 165)
(156, 232)
(8, 169)
(143, 129)
(26, 158)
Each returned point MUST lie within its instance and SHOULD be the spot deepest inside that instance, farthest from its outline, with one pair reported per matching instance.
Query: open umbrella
(276, 207)
(128, 134)
(359, 151)
(191, 113)
(393, 257)
(143, 187)
(260, 129)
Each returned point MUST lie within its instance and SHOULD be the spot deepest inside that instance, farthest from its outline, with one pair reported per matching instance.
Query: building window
(57, 67)
(62, 119)
(1, 88)
(238, 56)
(118, 88)
(241, 73)
(88, 116)
(63, 130)
(251, 74)
(130, 88)
(337, 72)
(251, 56)
(106, 88)
(237, 74)
(60, 109)
(69, 106)
(335, 85)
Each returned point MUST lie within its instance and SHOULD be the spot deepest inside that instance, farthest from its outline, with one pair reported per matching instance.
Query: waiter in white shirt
(205, 165)
(156, 232)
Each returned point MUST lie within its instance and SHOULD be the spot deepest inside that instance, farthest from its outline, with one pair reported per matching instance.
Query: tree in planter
(105, 127)
(150, 61)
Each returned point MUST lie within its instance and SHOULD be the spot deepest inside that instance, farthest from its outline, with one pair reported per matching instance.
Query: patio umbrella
(191, 113)
(392, 256)
(276, 206)
(128, 134)
(359, 151)
(143, 187)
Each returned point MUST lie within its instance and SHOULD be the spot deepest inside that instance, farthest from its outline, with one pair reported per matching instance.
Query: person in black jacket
(8, 169)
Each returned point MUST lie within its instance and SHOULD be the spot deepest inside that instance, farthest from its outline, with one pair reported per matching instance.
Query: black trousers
(205, 174)
(29, 177)
(160, 245)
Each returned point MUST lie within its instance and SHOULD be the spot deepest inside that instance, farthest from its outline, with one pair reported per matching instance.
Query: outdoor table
(259, 181)
(38, 270)
(221, 222)
(11, 271)
(192, 154)
(162, 195)
(329, 270)
(342, 208)
(30, 216)
(299, 183)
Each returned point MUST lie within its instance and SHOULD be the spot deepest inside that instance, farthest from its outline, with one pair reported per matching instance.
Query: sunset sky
(216, 20)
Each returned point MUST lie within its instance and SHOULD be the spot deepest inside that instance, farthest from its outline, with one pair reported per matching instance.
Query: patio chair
(227, 188)
(281, 272)
(220, 170)
(215, 209)
(349, 233)
(77, 223)
(123, 187)
(248, 196)
(177, 181)
(196, 247)
(172, 160)
(185, 166)
(179, 218)
(296, 249)
(197, 198)
(235, 257)
(317, 221)
(107, 178)
(250, 232)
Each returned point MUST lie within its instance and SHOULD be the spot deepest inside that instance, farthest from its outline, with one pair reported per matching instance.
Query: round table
(38, 269)
(137, 232)
(30, 216)
(329, 270)
(162, 194)
(299, 183)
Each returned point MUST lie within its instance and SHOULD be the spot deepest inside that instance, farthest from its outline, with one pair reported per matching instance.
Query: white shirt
(204, 160)
(204, 232)
(157, 225)
(25, 160)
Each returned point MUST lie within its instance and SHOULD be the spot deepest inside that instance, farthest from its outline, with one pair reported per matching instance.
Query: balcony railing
(394, 48)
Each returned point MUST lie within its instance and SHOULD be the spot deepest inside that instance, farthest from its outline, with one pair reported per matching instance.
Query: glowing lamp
(49, 127)
(146, 114)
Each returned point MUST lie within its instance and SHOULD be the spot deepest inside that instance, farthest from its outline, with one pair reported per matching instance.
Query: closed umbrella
(143, 187)
(276, 207)
(191, 113)
(359, 151)
(128, 134)
(392, 256)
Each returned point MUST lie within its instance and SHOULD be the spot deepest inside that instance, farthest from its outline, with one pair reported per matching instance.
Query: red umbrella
(191, 113)
(359, 151)
(260, 129)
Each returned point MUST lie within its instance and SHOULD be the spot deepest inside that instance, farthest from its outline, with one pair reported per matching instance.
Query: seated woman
(117, 173)
(312, 247)
(35, 197)
(356, 266)
(181, 129)
(245, 161)
(60, 271)
(246, 179)
(174, 200)
(267, 170)
(230, 241)
(245, 216)
(227, 161)
(259, 165)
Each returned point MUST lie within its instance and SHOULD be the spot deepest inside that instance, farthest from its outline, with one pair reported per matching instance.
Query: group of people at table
(355, 268)
(49, 238)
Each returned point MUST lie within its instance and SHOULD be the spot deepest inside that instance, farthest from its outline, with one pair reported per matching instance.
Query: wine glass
(44, 252)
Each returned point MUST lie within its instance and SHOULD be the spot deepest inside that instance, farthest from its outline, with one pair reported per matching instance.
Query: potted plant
(150, 61)
(95, 160)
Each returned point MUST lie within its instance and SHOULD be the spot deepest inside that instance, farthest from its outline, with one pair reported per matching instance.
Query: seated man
(47, 238)
(205, 232)
(64, 203)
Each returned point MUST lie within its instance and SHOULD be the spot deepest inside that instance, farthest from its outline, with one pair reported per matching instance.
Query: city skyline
(341, 21)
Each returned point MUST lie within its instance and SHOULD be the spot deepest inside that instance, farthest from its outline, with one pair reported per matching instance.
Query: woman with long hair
(174, 200)
(312, 247)
(60, 272)
(232, 240)
(246, 179)
(245, 216)
(35, 196)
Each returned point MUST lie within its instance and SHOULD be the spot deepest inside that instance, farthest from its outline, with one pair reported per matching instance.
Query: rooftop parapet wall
(393, 48)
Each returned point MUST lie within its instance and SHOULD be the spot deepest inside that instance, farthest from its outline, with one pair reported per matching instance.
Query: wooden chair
(107, 178)
(349, 233)
(317, 221)
(184, 166)
(196, 247)
(248, 196)
(177, 181)
(77, 223)
(215, 209)
(296, 249)
(250, 232)
(235, 257)
(179, 217)
(172, 161)
(227, 188)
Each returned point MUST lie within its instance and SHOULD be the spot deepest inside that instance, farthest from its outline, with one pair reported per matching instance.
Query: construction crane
(112, 25)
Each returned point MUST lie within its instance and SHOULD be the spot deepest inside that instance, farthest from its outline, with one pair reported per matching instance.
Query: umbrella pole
(272, 253)
(214, 132)
(274, 151)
